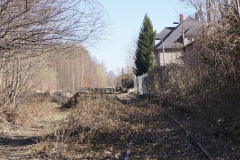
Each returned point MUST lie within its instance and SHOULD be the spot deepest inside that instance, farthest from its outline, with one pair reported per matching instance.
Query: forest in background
(72, 69)
(43, 47)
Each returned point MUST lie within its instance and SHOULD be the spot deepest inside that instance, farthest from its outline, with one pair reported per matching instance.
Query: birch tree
(130, 54)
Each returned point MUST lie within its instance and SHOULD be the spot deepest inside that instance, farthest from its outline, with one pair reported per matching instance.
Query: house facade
(169, 44)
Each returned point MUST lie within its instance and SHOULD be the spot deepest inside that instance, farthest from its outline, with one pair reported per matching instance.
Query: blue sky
(126, 19)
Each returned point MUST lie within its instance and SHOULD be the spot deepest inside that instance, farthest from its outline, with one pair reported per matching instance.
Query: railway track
(188, 133)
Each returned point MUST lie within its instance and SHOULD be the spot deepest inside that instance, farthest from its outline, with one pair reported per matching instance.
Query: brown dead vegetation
(103, 127)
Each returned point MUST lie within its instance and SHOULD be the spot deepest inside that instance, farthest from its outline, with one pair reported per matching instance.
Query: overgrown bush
(100, 128)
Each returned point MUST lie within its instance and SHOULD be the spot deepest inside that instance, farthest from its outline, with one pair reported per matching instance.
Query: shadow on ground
(19, 141)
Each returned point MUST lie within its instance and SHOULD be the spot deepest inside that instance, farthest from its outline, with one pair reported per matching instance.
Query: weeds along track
(193, 139)
(101, 126)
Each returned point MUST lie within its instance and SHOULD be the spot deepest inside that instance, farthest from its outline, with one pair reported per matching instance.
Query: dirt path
(18, 146)
(19, 142)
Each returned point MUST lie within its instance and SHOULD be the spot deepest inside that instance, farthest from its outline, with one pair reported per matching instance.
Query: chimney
(197, 16)
(181, 18)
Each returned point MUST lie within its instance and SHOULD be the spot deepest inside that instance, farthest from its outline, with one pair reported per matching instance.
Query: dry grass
(95, 128)
(31, 113)
(28, 123)
(102, 128)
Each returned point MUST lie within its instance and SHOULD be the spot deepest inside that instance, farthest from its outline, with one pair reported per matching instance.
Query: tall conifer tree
(144, 58)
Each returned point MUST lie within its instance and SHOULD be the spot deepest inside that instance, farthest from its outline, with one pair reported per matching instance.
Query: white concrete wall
(155, 42)
(139, 85)
(169, 56)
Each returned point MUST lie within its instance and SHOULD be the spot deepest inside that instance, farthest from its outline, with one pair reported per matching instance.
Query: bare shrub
(98, 128)
(36, 110)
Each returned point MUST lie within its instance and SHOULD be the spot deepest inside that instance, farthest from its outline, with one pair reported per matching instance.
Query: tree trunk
(73, 89)
(208, 3)
(82, 71)
(77, 72)
(237, 4)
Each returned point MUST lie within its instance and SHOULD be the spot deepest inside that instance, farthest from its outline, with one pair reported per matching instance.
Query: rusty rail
(199, 145)
(129, 149)
(130, 142)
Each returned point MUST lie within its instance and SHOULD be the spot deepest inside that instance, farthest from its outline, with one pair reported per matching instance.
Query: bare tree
(33, 28)
(130, 54)
(111, 79)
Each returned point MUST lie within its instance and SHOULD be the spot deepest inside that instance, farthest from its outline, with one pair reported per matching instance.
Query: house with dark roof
(169, 44)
